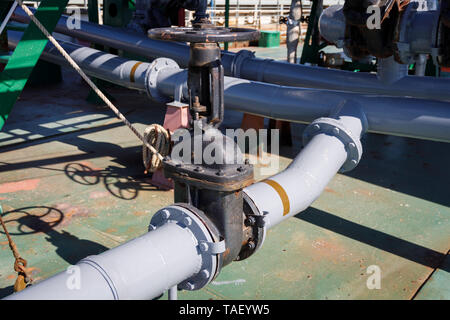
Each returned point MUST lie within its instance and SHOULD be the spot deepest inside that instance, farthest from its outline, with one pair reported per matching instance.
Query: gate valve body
(213, 187)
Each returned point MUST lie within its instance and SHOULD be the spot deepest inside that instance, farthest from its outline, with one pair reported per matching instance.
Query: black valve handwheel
(209, 34)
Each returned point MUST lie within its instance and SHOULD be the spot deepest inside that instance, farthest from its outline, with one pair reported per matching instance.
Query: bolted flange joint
(209, 244)
(238, 60)
(151, 77)
(336, 128)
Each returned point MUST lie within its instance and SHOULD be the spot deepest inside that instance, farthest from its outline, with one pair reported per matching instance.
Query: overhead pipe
(127, 73)
(244, 65)
(406, 117)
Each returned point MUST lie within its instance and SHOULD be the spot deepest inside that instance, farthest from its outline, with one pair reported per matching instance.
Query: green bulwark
(17, 72)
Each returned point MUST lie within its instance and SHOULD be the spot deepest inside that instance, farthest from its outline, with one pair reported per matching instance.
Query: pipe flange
(151, 77)
(255, 220)
(336, 128)
(262, 69)
(209, 243)
(238, 59)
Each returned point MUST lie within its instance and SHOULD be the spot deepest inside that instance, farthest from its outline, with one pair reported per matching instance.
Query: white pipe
(407, 117)
(302, 182)
(294, 189)
(105, 66)
(142, 268)
(277, 72)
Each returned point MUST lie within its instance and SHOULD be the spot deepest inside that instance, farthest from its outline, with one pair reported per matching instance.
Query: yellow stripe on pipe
(133, 70)
(283, 195)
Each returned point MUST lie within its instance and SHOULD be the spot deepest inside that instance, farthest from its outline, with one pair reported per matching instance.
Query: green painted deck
(72, 184)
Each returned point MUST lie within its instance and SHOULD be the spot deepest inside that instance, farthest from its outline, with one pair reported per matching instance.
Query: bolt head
(165, 214)
(189, 286)
(203, 246)
(204, 273)
(336, 130)
(251, 221)
(316, 127)
(187, 221)
(151, 227)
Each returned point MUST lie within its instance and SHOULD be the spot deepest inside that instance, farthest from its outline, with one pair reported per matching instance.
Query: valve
(212, 187)
(205, 71)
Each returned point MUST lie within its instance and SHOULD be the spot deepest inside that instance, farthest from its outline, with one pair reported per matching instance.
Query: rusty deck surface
(72, 184)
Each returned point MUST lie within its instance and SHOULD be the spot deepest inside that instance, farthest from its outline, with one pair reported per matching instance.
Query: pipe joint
(337, 128)
(238, 60)
(151, 78)
(93, 262)
(209, 244)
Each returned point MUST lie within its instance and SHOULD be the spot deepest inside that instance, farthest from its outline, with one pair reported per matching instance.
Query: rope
(89, 81)
(8, 16)
(20, 264)
(159, 138)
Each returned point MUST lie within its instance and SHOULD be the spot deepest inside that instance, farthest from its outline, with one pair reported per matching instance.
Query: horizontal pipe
(142, 268)
(117, 38)
(98, 64)
(264, 70)
(408, 117)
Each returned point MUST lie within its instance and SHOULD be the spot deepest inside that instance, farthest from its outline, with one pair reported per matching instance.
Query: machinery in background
(165, 13)
(414, 33)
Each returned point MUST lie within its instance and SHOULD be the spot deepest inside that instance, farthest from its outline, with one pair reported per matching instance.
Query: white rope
(159, 138)
(89, 81)
(8, 16)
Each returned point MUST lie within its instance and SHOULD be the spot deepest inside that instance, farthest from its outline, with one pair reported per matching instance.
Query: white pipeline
(142, 268)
